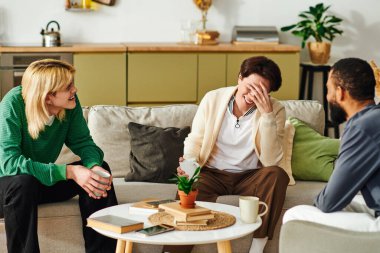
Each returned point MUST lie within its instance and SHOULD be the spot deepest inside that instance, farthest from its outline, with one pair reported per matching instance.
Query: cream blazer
(267, 129)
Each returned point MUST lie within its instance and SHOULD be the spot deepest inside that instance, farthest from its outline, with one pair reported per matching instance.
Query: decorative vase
(203, 5)
(319, 52)
(187, 200)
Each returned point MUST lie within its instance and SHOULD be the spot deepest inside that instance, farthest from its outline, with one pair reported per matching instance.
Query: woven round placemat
(221, 220)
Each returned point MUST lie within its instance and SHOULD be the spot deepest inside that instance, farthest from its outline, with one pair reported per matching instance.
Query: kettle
(51, 38)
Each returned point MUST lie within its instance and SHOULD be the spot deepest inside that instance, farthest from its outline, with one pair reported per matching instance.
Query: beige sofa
(59, 226)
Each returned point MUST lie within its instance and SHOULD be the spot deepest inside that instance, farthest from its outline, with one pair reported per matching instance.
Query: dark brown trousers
(269, 184)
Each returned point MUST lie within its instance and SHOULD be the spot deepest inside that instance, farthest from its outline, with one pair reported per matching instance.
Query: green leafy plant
(315, 23)
(187, 184)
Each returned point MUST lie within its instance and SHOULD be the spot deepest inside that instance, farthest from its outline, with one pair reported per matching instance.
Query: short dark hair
(264, 67)
(356, 76)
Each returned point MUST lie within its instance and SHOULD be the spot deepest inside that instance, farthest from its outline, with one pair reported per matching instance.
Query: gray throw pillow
(155, 152)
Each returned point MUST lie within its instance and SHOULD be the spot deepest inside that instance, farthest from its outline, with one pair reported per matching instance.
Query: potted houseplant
(187, 188)
(317, 24)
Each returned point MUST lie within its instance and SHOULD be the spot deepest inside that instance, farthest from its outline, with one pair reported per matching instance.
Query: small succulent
(187, 184)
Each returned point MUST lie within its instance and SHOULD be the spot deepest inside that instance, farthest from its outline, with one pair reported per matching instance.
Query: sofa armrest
(303, 236)
(128, 192)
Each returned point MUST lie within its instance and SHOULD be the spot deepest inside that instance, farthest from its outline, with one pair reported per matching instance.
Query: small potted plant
(316, 23)
(187, 188)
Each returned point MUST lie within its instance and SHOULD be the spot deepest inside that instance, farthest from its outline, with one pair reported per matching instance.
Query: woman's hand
(261, 98)
(89, 180)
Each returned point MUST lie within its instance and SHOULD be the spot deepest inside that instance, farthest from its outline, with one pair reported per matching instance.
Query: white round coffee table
(221, 236)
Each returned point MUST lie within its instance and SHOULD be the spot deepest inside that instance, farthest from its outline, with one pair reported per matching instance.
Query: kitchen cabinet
(136, 74)
(101, 78)
(168, 78)
(162, 78)
(211, 72)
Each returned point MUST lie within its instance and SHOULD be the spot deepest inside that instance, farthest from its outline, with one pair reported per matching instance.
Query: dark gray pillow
(155, 152)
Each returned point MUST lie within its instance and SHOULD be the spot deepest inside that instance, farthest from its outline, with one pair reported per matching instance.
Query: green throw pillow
(313, 154)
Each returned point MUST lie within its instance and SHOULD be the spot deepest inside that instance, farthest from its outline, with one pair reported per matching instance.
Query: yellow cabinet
(162, 78)
(288, 63)
(170, 78)
(101, 78)
(211, 72)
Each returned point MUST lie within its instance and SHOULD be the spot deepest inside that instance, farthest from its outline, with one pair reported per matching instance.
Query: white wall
(159, 21)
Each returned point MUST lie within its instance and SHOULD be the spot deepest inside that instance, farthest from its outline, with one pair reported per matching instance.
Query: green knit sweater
(20, 154)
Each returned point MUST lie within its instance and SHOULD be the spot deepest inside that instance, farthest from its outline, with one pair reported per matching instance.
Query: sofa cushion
(302, 193)
(128, 192)
(155, 152)
(109, 128)
(313, 154)
(308, 111)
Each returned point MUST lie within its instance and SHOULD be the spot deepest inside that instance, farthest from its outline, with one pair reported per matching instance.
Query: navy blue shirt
(357, 167)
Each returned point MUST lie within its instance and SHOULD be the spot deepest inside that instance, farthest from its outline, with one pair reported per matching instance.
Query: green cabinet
(162, 78)
(101, 78)
(169, 78)
(211, 73)
(289, 65)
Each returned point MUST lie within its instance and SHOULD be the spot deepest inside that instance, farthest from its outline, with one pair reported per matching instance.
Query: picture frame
(105, 2)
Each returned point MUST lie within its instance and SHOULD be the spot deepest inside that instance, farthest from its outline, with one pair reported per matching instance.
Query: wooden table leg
(224, 247)
(120, 247)
(128, 247)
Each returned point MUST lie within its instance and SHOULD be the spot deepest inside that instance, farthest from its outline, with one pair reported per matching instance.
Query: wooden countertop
(69, 48)
(151, 47)
(222, 47)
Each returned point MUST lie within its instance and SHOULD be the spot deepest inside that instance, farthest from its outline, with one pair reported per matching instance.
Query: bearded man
(351, 90)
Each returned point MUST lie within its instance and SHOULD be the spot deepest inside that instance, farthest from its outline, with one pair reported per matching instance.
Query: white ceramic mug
(103, 174)
(249, 208)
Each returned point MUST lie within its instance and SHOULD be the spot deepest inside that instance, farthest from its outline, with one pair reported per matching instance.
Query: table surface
(239, 229)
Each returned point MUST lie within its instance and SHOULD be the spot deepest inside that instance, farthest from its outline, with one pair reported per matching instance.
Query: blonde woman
(36, 119)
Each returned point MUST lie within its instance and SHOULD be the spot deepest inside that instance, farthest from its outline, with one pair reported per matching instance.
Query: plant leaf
(287, 28)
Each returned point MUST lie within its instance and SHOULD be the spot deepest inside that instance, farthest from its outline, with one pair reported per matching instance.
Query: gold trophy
(205, 37)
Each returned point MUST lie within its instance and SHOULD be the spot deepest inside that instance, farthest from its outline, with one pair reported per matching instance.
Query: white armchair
(303, 236)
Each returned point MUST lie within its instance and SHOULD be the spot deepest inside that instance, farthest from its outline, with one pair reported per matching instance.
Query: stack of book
(197, 216)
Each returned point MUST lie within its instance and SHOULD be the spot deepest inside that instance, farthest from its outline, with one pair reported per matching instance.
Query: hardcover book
(187, 214)
(148, 206)
(191, 223)
(193, 218)
(114, 223)
(142, 208)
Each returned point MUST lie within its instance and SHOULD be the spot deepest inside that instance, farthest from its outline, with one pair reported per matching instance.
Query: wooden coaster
(221, 220)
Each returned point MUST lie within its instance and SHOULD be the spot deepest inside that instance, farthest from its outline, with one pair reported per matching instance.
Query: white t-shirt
(234, 148)
(50, 120)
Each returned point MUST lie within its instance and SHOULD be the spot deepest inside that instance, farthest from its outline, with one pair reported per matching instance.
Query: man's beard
(337, 113)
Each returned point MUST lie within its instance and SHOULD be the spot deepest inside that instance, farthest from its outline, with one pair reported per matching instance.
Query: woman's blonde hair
(40, 79)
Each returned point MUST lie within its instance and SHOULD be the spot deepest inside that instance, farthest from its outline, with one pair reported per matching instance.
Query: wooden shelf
(77, 9)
